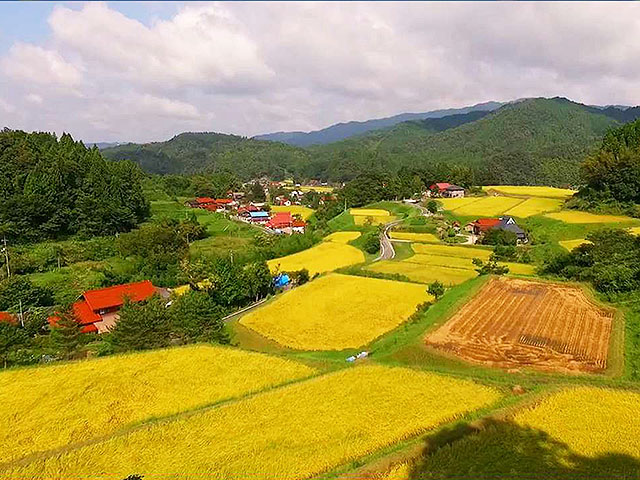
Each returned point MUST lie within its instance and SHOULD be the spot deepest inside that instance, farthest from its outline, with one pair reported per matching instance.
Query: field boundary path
(387, 252)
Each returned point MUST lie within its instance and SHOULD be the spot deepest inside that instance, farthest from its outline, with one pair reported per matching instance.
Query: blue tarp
(281, 280)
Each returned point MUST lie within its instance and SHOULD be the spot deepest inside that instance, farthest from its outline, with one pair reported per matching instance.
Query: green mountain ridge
(531, 141)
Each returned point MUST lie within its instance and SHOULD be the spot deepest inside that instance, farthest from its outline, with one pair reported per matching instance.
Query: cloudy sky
(145, 71)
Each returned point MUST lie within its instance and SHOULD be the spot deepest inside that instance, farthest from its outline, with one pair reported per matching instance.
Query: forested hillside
(51, 188)
(214, 152)
(535, 141)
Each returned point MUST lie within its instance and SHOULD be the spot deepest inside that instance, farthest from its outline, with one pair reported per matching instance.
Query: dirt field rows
(512, 323)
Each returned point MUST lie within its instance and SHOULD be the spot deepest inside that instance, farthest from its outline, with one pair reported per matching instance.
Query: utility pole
(6, 255)
(21, 315)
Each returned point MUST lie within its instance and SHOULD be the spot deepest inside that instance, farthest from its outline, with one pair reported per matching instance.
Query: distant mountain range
(340, 131)
(527, 141)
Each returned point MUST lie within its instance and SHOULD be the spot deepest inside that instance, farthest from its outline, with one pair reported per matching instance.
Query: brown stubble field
(512, 323)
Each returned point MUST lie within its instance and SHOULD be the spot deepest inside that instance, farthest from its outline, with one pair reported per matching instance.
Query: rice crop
(372, 220)
(304, 212)
(441, 260)
(48, 407)
(571, 244)
(424, 273)
(298, 431)
(336, 312)
(453, 251)
(488, 206)
(576, 216)
(531, 191)
(635, 230)
(519, 268)
(579, 433)
(342, 237)
(415, 237)
(369, 212)
(324, 257)
(535, 206)
(454, 203)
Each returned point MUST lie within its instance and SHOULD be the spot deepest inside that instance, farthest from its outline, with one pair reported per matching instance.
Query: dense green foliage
(213, 152)
(612, 174)
(51, 188)
(18, 291)
(496, 236)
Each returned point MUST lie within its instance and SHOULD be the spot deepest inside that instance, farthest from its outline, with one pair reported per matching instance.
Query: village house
(259, 217)
(483, 225)
(283, 222)
(97, 311)
(447, 190)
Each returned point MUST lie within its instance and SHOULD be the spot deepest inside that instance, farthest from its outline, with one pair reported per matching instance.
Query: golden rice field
(535, 206)
(319, 189)
(576, 216)
(350, 414)
(415, 237)
(611, 426)
(453, 251)
(454, 203)
(423, 273)
(304, 212)
(324, 257)
(342, 237)
(531, 191)
(441, 260)
(336, 312)
(571, 244)
(520, 268)
(368, 212)
(48, 407)
(635, 230)
(489, 206)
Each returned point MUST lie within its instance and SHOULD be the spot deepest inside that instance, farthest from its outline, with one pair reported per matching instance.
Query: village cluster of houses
(254, 213)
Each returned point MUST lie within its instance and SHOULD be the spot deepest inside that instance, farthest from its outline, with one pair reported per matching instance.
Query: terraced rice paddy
(421, 273)
(512, 323)
(578, 433)
(342, 237)
(576, 216)
(453, 251)
(484, 206)
(304, 212)
(336, 312)
(45, 408)
(372, 216)
(531, 191)
(534, 206)
(571, 244)
(415, 237)
(324, 257)
(298, 431)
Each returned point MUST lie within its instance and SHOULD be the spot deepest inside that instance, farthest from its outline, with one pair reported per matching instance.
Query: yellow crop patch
(454, 203)
(424, 273)
(325, 257)
(576, 216)
(342, 237)
(336, 312)
(571, 244)
(535, 206)
(415, 237)
(519, 268)
(304, 212)
(372, 220)
(368, 212)
(48, 407)
(442, 260)
(635, 230)
(611, 426)
(452, 251)
(531, 191)
(298, 431)
(488, 206)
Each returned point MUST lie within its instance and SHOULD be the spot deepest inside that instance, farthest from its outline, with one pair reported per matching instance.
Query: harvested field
(531, 191)
(304, 212)
(336, 312)
(515, 323)
(535, 206)
(415, 237)
(295, 432)
(576, 216)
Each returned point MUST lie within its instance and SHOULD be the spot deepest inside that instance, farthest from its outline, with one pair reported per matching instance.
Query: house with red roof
(283, 222)
(97, 310)
(447, 190)
(482, 225)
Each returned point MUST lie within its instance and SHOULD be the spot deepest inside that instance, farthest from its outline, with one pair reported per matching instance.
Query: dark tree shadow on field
(502, 450)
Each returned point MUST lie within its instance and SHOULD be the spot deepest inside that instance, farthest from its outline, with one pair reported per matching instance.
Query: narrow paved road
(387, 252)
